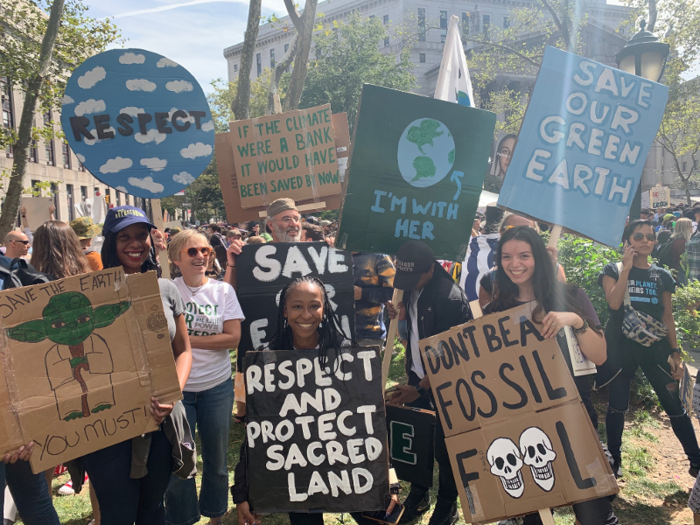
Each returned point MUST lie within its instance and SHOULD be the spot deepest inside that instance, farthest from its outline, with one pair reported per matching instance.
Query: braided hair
(330, 331)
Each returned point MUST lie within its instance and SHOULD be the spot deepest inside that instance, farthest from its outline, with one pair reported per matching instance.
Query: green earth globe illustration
(426, 152)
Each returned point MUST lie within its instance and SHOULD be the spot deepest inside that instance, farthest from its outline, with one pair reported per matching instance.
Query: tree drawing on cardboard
(80, 362)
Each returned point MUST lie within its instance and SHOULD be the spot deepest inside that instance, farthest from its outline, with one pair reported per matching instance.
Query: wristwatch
(421, 391)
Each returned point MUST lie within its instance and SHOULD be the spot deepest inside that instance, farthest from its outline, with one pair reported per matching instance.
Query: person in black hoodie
(433, 303)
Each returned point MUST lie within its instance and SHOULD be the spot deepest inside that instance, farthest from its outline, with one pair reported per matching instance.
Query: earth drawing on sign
(426, 152)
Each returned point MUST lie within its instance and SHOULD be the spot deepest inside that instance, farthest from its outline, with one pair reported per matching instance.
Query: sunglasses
(640, 236)
(193, 252)
(23, 242)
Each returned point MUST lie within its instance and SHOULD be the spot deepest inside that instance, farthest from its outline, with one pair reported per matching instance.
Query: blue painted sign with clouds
(139, 122)
(582, 146)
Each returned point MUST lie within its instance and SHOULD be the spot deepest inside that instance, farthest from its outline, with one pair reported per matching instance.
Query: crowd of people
(151, 479)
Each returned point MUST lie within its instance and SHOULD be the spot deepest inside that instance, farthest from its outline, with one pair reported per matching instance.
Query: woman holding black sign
(306, 321)
(642, 333)
(525, 273)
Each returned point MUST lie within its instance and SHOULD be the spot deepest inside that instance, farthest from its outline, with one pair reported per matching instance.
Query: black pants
(594, 512)
(447, 489)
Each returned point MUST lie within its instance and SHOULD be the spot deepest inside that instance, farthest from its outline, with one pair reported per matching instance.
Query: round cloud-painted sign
(139, 122)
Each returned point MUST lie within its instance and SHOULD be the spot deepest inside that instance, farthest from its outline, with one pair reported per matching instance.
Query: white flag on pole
(454, 83)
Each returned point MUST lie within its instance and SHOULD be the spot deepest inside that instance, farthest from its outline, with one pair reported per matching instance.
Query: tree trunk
(241, 103)
(303, 44)
(277, 75)
(652, 16)
(24, 136)
(686, 187)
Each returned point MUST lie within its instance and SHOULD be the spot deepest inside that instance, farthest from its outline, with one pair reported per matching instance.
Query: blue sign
(582, 146)
(139, 122)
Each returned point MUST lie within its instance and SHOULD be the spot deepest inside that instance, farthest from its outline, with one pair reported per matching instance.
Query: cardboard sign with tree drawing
(82, 357)
(517, 432)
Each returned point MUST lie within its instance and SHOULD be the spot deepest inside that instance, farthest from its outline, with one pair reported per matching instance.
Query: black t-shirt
(646, 287)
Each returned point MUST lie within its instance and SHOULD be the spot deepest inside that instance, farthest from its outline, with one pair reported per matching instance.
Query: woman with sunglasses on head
(638, 289)
(130, 477)
(306, 321)
(525, 273)
(213, 317)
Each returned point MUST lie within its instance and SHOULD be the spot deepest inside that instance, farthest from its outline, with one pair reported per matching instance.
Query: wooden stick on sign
(158, 223)
(391, 337)
(554, 236)
(546, 516)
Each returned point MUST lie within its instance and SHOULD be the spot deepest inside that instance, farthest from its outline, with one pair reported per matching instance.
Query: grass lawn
(653, 492)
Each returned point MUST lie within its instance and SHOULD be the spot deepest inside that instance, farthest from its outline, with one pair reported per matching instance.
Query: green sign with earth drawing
(416, 172)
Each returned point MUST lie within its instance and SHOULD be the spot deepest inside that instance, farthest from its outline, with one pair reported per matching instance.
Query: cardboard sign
(686, 390)
(660, 197)
(228, 179)
(37, 210)
(291, 154)
(518, 435)
(264, 269)
(411, 443)
(139, 122)
(82, 357)
(418, 166)
(316, 435)
(582, 146)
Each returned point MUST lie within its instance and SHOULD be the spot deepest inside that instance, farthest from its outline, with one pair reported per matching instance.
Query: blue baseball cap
(119, 218)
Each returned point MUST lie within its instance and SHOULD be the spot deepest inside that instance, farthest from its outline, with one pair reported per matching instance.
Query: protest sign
(287, 155)
(411, 443)
(660, 197)
(686, 391)
(646, 199)
(228, 179)
(518, 435)
(138, 121)
(404, 144)
(37, 210)
(82, 358)
(316, 434)
(262, 270)
(582, 146)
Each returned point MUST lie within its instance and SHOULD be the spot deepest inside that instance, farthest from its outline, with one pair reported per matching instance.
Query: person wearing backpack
(641, 333)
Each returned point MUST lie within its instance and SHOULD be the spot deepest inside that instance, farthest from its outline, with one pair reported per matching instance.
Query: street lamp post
(645, 56)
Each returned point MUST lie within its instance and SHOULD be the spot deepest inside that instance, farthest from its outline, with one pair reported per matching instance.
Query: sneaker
(67, 489)
(694, 470)
(445, 513)
(416, 504)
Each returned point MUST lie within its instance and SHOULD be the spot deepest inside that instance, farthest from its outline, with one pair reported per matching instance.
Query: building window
(69, 199)
(108, 198)
(235, 68)
(50, 159)
(47, 118)
(33, 154)
(506, 22)
(81, 166)
(421, 24)
(83, 193)
(386, 41)
(272, 58)
(258, 60)
(34, 187)
(65, 150)
(286, 48)
(685, 166)
(6, 103)
(443, 26)
(487, 24)
(465, 25)
(386, 20)
(54, 191)
(421, 58)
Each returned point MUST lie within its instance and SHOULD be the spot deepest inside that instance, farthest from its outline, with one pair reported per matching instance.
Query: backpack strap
(627, 301)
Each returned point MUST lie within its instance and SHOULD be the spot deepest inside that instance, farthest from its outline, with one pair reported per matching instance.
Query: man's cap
(413, 259)
(313, 220)
(119, 218)
(326, 223)
(279, 206)
(85, 228)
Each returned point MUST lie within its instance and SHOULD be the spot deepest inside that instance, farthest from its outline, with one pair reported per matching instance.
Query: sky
(193, 33)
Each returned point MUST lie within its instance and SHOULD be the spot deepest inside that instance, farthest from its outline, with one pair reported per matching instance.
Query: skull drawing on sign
(538, 454)
(504, 457)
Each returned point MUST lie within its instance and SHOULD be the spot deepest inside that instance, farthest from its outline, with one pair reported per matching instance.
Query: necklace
(194, 290)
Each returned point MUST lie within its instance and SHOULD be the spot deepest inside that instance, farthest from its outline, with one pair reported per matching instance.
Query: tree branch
(562, 27)
(652, 16)
(506, 48)
(241, 104)
(293, 14)
(278, 72)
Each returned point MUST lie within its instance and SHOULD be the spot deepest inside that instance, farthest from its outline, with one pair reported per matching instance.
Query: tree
(241, 102)
(38, 53)
(347, 56)
(221, 99)
(203, 197)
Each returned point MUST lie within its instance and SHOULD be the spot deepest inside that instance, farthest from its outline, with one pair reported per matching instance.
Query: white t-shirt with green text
(205, 313)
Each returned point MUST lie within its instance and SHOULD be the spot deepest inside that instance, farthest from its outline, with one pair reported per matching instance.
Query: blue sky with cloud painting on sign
(193, 33)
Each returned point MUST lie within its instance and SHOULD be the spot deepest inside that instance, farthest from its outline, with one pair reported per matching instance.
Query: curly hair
(57, 251)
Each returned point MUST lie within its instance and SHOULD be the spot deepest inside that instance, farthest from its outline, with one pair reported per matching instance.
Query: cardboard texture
(287, 155)
(139, 122)
(418, 167)
(316, 435)
(228, 178)
(686, 391)
(660, 197)
(82, 358)
(411, 443)
(37, 210)
(518, 435)
(582, 146)
(264, 269)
